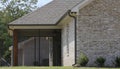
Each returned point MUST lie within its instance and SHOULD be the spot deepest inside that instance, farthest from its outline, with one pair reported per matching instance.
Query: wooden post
(15, 48)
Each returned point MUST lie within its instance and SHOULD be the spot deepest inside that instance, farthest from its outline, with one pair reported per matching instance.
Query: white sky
(43, 2)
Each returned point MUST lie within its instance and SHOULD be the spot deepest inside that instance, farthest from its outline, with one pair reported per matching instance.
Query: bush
(117, 62)
(100, 61)
(83, 60)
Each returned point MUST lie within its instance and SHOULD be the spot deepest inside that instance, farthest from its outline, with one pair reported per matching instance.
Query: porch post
(15, 48)
(50, 51)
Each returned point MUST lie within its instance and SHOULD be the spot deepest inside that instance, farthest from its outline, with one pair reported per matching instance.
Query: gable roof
(49, 14)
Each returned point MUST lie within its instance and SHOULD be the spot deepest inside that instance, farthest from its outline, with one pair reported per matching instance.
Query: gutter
(9, 30)
(73, 15)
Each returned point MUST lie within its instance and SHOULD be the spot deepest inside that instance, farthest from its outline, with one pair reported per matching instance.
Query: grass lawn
(53, 68)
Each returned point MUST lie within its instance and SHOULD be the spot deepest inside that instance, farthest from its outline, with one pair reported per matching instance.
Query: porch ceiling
(38, 32)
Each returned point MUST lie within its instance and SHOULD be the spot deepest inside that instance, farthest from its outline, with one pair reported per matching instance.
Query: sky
(43, 2)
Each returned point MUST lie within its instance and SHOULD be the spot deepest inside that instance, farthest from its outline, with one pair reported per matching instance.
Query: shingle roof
(48, 14)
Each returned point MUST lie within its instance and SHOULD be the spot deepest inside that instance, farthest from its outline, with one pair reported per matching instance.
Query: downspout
(71, 14)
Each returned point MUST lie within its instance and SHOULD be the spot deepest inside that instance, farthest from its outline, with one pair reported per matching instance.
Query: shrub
(117, 62)
(100, 61)
(83, 59)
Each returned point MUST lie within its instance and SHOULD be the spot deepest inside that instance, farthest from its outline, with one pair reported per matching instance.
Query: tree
(11, 10)
(14, 9)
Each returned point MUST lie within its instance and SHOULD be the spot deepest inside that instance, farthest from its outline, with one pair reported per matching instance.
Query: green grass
(53, 68)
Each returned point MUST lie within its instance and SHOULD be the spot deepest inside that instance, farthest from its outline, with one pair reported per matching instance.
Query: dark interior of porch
(39, 47)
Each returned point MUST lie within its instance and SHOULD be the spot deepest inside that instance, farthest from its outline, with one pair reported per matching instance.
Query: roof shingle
(48, 14)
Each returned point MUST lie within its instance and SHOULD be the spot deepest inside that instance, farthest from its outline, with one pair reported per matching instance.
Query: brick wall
(68, 45)
(98, 30)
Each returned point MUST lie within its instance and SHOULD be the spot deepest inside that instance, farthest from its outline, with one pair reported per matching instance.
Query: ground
(53, 68)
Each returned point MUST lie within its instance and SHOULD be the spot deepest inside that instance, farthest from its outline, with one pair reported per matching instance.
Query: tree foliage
(11, 10)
